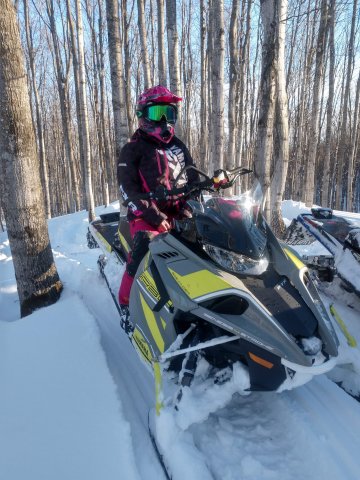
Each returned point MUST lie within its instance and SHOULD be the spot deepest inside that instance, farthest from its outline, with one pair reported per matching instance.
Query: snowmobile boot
(125, 323)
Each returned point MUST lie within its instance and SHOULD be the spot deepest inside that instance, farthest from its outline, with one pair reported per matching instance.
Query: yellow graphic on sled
(141, 345)
(152, 324)
(200, 283)
(298, 263)
(149, 284)
(349, 338)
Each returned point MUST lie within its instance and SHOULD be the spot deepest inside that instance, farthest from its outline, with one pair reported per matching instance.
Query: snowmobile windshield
(234, 233)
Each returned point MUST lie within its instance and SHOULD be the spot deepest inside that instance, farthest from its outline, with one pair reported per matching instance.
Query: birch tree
(117, 80)
(35, 271)
(161, 43)
(314, 122)
(281, 153)
(84, 139)
(173, 56)
(143, 41)
(39, 120)
(264, 147)
(343, 152)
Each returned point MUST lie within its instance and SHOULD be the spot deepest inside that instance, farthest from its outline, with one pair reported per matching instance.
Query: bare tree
(314, 122)
(234, 74)
(281, 153)
(39, 120)
(325, 200)
(117, 80)
(344, 151)
(84, 139)
(36, 275)
(264, 148)
(173, 55)
(143, 40)
(218, 82)
(161, 43)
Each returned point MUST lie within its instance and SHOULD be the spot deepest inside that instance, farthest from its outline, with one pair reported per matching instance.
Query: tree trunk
(62, 83)
(218, 83)
(173, 56)
(161, 43)
(325, 200)
(343, 153)
(281, 154)
(127, 65)
(314, 125)
(233, 86)
(203, 109)
(143, 41)
(117, 82)
(39, 122)
(36, 275)
(84, 115)
(264, 146)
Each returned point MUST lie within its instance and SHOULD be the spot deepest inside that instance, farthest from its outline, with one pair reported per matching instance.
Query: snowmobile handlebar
(221, 179)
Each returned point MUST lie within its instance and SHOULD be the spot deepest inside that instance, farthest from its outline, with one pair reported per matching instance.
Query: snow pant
(142, 233)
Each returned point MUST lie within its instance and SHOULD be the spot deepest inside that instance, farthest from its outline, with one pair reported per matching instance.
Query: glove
(220, 178)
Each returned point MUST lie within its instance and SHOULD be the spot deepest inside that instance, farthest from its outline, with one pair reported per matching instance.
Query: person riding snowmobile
(153, 157)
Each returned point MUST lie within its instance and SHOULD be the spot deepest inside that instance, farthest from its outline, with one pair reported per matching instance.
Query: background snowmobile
(221, 287)
(335, 234)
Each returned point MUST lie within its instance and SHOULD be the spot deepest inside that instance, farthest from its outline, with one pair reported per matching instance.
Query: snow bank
(60, 417)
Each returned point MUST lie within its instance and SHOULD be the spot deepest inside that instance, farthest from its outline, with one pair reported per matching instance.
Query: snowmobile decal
(200, 283)
(142, 346)
(148, 286)
(104, 241)
(299, 264)
(148, 282)
(124, 242)
(153, 326)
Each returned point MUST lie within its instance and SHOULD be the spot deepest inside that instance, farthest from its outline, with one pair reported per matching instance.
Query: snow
(75, 398)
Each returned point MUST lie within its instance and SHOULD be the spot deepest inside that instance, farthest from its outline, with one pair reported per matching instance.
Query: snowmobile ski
(161, 459)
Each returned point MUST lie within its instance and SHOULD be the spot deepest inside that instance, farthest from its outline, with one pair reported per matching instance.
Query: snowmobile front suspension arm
(200, 346)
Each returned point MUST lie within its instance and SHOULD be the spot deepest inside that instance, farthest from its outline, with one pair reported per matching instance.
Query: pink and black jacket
(145, 164)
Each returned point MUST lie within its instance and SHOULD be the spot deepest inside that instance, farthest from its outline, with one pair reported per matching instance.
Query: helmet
(157, 122)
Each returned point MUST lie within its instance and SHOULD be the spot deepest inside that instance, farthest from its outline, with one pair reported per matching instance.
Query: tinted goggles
(156, 113)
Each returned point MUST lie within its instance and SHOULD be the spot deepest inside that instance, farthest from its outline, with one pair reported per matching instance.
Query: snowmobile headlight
(235, 262)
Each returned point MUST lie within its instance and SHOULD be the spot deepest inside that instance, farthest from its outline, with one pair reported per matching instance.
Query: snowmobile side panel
(286, 265)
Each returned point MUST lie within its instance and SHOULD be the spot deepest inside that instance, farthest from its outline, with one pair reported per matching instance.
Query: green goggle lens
(156, 113)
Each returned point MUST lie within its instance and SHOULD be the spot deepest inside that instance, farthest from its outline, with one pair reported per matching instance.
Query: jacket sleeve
(130, 185)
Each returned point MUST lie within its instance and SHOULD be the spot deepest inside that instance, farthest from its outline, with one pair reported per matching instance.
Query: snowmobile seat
(110, 217)
(324, 213)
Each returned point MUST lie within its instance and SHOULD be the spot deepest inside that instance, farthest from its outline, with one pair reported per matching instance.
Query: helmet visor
(156, 113)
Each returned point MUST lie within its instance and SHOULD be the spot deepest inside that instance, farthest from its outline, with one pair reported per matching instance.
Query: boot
(125, 323)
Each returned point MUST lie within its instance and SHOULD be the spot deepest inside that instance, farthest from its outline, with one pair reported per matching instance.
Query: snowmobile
(334, 235)
(221, 287)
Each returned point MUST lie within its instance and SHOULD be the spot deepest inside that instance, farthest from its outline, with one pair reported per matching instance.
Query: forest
(273, 86)
(87, 61)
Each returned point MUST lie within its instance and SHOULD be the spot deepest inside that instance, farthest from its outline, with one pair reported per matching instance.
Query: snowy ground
(75, 398)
